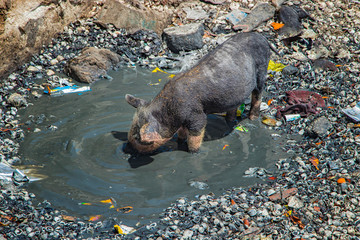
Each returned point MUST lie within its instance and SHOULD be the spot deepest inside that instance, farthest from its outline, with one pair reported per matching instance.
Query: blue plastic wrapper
(59, 91)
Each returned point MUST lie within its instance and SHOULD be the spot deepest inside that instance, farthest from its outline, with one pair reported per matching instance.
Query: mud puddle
(79, 152)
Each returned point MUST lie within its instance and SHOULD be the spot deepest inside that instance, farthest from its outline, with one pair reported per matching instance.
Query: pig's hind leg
(257, 92)
(255, 104)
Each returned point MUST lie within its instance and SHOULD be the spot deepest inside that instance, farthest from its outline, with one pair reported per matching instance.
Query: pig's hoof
(253, 117)
(194, 150)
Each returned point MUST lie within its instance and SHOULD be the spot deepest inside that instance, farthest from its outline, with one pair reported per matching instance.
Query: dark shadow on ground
(217, 127)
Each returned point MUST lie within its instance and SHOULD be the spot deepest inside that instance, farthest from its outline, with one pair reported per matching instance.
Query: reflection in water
(87, 159)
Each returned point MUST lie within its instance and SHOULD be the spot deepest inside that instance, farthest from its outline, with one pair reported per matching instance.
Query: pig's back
(226, 77)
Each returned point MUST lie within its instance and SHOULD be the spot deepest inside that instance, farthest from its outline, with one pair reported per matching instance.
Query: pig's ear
(134, 101)
(149, 133)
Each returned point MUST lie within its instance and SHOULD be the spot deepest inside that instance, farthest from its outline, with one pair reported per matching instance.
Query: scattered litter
(159, 70)
(224, 147)
(94, 218)
(52, 128)
(275, 136)
(19, 177)
(270, 121)
(353, 113)
(241, 128)
(126, 209)
(264, 106)
(315, 162)
(123, 229)
(109, 201)
(341, 180)
(276, 25)
(277, 67)
(159, 80)
(86, 204)
(198, 185)
(59, 91)
(292, 117)
(301, 102)
(235, 16)
(155, 84)
(7, 173)
(239, 111)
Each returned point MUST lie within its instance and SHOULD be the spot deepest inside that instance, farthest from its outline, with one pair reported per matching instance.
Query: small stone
(252, 212)
(319, 127)
(277, 3)
(50, 72)
(54, 61)
(324, 64)
(33, 68)
(284, 194)
(60, 58)
(294, 202)
(308, 33)
(36, 94)
(215, 2)
(187, 234)
(17, 100)
(195, 13)
(290, 70)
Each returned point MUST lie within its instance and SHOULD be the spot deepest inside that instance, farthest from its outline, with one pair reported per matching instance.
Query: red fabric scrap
(301, 102)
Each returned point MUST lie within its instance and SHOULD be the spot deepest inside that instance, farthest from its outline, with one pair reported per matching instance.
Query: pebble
(17, 100)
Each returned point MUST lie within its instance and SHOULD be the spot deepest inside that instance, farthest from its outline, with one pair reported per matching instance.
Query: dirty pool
(75, 142)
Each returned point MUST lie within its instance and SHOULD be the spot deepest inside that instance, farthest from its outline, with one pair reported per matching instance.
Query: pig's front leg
(195, 141)
(195, 132)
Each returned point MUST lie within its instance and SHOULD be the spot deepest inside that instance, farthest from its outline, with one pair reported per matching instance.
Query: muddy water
(82, 161)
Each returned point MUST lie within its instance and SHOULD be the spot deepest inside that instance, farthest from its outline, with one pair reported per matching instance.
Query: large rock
(291, 19)
(184, 38)
(133, 18)
(259, 14)
(91, 64)
(27, 25)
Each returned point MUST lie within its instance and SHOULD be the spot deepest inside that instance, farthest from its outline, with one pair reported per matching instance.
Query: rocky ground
(313, 195)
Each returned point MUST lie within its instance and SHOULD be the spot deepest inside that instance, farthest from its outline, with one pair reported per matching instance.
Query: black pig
(220, 82)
